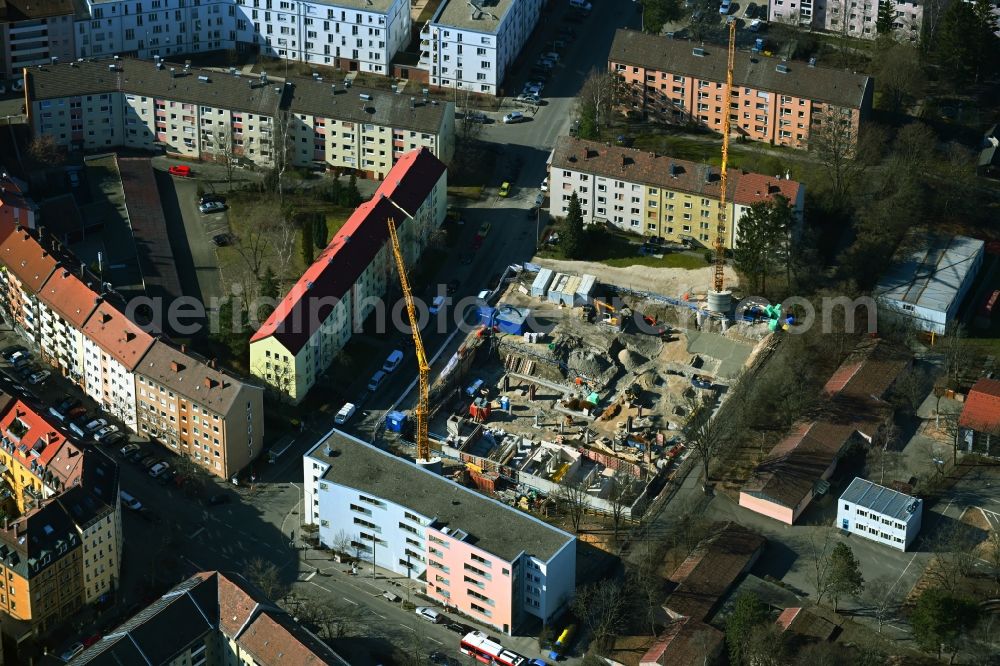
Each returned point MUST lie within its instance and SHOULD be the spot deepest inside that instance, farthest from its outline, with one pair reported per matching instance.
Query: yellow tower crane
(720, 245)
(423, 402)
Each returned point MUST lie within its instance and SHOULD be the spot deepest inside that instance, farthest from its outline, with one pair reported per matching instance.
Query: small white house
(879, 513)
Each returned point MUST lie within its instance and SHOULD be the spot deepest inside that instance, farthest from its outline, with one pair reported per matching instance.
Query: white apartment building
(332, 299)
(33, 32)
(145, 105)
(853, 18)
(365, 129)
(477, 556)
(879, 513)
(471, 45)
(112, 348)
(353, 35)
(64, 306)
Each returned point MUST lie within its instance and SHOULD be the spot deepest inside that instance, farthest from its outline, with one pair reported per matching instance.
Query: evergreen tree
(320, 231)
(886, 17)
(269, 287)
(939, 620)
(352, 193)
(307, 239)
(762, 240)
(845, 574)
(573, 233)
(588, 124)
(965, 45)
(748, 614)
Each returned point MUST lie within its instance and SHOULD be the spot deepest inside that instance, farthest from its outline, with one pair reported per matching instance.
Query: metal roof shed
(540, 286)
(568, 294)
(586, 289)
(558, 285)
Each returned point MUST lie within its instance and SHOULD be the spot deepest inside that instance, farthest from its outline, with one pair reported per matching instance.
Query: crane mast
(720, 245)
(423, 402)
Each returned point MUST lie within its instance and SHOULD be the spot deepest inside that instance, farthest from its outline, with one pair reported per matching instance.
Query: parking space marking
(310, 576)
(353, 603)
(431, 638)
(907, 568)
(404, 626)
(197, 532)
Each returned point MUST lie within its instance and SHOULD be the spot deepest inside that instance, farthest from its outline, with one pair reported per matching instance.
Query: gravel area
(664, 281)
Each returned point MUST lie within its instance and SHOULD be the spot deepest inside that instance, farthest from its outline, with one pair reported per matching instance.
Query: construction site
(570, 389)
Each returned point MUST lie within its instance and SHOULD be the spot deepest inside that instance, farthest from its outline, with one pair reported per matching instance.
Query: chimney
(175, 366)
(183, 349)
(211, 364)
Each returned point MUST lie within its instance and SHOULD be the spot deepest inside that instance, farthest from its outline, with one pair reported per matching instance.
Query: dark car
(205, 198)
(452, 286)
(167, 476)
(222, 240)
(136, 456)
(441, 658)
(751, 11)
(148, 461)
(10, 351)
(458, 628)
(113, 438)
(216, 500)
(149, 515)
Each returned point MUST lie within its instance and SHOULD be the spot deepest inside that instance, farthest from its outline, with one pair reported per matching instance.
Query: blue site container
(395, 421)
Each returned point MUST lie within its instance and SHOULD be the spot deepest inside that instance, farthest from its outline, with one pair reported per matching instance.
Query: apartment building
(656, 195)
(476, 555)
(27, 268)
(365, 129)
(64, 306)
(63, 502)
(199, 411)
(211, 619)
(353, 35)
(33, 32)
(129, 103)
(113, 346)
(774, 101)
(346, 283)
(856, 18)
(879, 514)
(472, 45)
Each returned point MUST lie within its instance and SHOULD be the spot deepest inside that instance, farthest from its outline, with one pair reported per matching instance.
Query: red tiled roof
(117, 335)
(71, 298)
(787, 617)
(41, 443)
(685, 642)
(352, 249)
(236, 606)
(754, 187)
(270, 641)
(982, 407)
(411, 179)
(26, 259)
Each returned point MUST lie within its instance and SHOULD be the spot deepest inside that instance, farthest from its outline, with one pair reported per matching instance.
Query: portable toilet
(540, 286)
(395, 421)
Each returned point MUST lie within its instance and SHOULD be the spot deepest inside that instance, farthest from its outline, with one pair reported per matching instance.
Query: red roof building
(979, 423)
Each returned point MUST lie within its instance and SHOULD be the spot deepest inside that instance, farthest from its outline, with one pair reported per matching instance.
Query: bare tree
(573, 499)
(253, 245)
(705, 434)
(818, 550)
(834, 139)
(883, 463)
(954, 556)
(342, 543)
(602, 606)
(620, 498)
(601, 92)
(44, 150)
(899, 77)
(646, 586)
(883, 598)
(993, 555)
(265, 576)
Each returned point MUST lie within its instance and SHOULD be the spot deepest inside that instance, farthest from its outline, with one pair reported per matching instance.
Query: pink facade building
(469, 553)
(852, 18)
(773, 101)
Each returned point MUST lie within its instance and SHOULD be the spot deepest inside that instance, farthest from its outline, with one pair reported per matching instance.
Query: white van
(128, 501)
(376, 380)
(346, 412)
(391, 363)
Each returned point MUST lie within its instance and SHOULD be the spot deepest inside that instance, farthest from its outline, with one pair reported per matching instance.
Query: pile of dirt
(594, 365)
(630, 360)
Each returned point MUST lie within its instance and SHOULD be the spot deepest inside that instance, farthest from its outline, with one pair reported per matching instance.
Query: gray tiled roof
(491, 526)
(879, 499)
(840, 87)
(143, 78)
(461, 14)
(320, 98)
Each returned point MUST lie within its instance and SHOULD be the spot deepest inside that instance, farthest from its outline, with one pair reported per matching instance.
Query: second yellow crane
(721, 230)
(423, 401)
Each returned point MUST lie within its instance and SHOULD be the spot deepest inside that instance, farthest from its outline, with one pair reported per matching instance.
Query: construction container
(568, 295)
(586, 289)
(557, 287)
(512, 320)
(540, 287)
(395, 421)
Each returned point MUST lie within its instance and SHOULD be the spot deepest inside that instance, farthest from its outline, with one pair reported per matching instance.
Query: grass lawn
(681, 147)
(620, 250)
(474, 192)
(670, 260)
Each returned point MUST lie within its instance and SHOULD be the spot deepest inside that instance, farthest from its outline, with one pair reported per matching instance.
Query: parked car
(539, 199)
(484, 228)
(22, 356)
(725, 7)
(440, 658)
(79, 428)
(8, 352)
(135, 456)
(63, 409)
(544, 187)
(429, 614)
(376, 381)
(222, 240)
(345, 413)
(128, 501)
(148, 461)
(755, 25)
(149, 515)
(528, 99)
(514, 117)
(77, 411)
(458, 628)
(436, 305)
(74, 177)
(212, 207)
(181, 170)
(158, 469)
(129, 448)
(72, 651)
(751, 11)
(96, 424)
(220, 498)
(504, 189)
(167, 477)
(38, 377)
(477, 117)
(393, 361)
(205, 198)
(104, 431)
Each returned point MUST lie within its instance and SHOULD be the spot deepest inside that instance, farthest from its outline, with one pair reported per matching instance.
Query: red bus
(489, 651)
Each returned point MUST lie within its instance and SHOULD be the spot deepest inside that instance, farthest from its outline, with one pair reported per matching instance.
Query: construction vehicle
(423, 401)
(612, 317)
